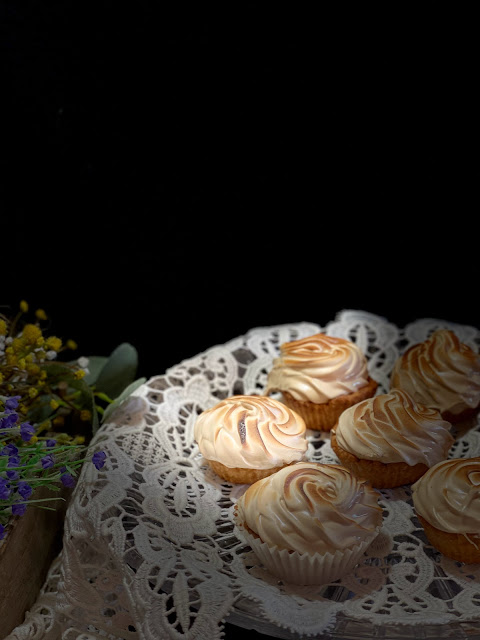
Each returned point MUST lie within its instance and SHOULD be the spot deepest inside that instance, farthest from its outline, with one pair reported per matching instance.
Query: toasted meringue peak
(311, 507)
(440, 372)
(392, 427)
(448, 496)
(251, 432)
(318, 368)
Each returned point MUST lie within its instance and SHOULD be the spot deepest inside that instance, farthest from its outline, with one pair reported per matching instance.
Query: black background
(173, 178)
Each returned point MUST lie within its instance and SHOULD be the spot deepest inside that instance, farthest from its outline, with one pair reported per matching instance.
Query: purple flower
(11, 404)
(68, 480)
(24, 489)
(26, 431)
(14, 461)
(8, 421)
(19, 509)
(98, 459)
(9, 450)
(2, 532)
(5, 490)
(50, 443)
(48, 461)
(12, 475)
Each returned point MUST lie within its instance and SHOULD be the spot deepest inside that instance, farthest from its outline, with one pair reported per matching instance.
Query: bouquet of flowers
(50, 409)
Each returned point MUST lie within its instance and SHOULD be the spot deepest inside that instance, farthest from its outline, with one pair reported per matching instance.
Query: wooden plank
(32, 542)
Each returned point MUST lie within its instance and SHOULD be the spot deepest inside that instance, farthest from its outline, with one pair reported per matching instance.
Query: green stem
(39, 500)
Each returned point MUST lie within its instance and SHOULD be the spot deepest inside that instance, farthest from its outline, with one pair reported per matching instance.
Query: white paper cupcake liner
(304, 568)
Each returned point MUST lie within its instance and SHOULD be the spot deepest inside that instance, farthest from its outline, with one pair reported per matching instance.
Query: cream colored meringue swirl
(392, 427)
(440, 372)
(251, 432)
(318, 368)
(311, 507)
(448, 496)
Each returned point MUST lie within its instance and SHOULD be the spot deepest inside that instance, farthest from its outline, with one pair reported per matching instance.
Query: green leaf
(53, 487)
(57, 371)
(95, 366)
(41, 409)
(122, 397)
(119, 370)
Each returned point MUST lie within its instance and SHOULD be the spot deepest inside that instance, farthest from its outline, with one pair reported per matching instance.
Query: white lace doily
(149, 548)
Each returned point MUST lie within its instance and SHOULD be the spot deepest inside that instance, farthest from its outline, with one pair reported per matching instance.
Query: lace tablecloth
(150, 551)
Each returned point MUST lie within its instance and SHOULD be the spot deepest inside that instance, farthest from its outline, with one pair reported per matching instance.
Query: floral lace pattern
(150, 550)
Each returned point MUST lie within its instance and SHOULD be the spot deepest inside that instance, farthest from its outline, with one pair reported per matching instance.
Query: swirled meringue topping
(318, 368)
(440, 372)
(251, 432)
(392, 427)
(311, 507)
(448, 496)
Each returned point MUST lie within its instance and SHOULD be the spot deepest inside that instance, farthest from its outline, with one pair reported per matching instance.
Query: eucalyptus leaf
(122, 397)
(40, 410)
(119, 370)
(57, 371)
(95, 366)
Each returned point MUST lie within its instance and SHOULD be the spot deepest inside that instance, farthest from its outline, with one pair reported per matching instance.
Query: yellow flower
(22, 408)
(33, 392)
(18, 344)
(33, 440)
(1, 377)
(32, 368)
(79, 374)
(79, 440)
(85, 415)
(21, 363)
(31, 334)
(58, 421)
(54, 404)
(40, 341)
(53, 343)
(11, 359)
(23, 306)
(43, 375)
(71, 344)
(3, 328)
(40, 314)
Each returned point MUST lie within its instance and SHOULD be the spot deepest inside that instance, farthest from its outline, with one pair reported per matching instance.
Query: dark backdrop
(175, 178)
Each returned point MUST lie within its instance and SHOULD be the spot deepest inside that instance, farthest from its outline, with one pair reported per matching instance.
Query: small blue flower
(24, 489)
(9, 450)
(68, 480)
(26, 431)
(11, 404)
(19, 509)
(50, 443)
(12, 474)
(2, 532)
(48, 461)
(98, 459)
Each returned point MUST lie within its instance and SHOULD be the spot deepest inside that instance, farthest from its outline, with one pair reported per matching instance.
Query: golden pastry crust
(454, 545)
(379, 474)
(323, 416)
(236, 475)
